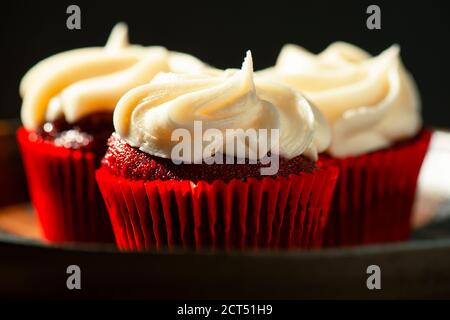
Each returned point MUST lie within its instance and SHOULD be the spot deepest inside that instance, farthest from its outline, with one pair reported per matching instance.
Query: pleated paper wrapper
(374, 195)
(255, 213)
(270, 212)
(64, 192)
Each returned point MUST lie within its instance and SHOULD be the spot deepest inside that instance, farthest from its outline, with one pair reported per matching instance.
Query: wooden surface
(20, 220)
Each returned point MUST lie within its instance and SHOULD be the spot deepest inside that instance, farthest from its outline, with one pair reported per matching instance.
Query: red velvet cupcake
(68, 102)
(166, 183)
(378, 142)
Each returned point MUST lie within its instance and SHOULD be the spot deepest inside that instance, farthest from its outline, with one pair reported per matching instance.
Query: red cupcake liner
(64, 192)
(374, 195)
(256, 213)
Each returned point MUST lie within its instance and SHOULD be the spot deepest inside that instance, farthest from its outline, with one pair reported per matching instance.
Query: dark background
(219, 32)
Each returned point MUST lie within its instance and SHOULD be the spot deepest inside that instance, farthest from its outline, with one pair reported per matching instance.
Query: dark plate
(416, 269)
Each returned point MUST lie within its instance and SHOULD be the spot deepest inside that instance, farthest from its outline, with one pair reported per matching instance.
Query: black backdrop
(220, 32)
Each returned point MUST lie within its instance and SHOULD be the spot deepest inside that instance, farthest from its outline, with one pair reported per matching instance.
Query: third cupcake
(378, 142)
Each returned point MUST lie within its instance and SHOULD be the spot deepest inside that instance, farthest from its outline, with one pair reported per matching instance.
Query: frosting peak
(118, 39)
(82, 81)
(147, 116)
(370, 102)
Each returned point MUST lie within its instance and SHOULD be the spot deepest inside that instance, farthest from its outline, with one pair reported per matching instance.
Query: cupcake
(216, 161)
(378, 141)
(68, 102)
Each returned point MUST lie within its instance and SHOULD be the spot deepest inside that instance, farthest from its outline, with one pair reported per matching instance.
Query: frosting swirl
(82, 81)
(147, 115)
(370, 102)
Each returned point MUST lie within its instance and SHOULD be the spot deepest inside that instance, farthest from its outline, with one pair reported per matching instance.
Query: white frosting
(79, 82)
(370, 102)
(147, 115)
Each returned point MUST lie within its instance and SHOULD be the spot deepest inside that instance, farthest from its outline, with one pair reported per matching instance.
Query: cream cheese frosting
(147, 115)
(370, 102)
(79, 82)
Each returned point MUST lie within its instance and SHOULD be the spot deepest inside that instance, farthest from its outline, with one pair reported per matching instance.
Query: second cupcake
(171, 179)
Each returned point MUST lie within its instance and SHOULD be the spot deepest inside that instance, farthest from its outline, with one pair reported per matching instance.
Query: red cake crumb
(128, 162)
(89, 133)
